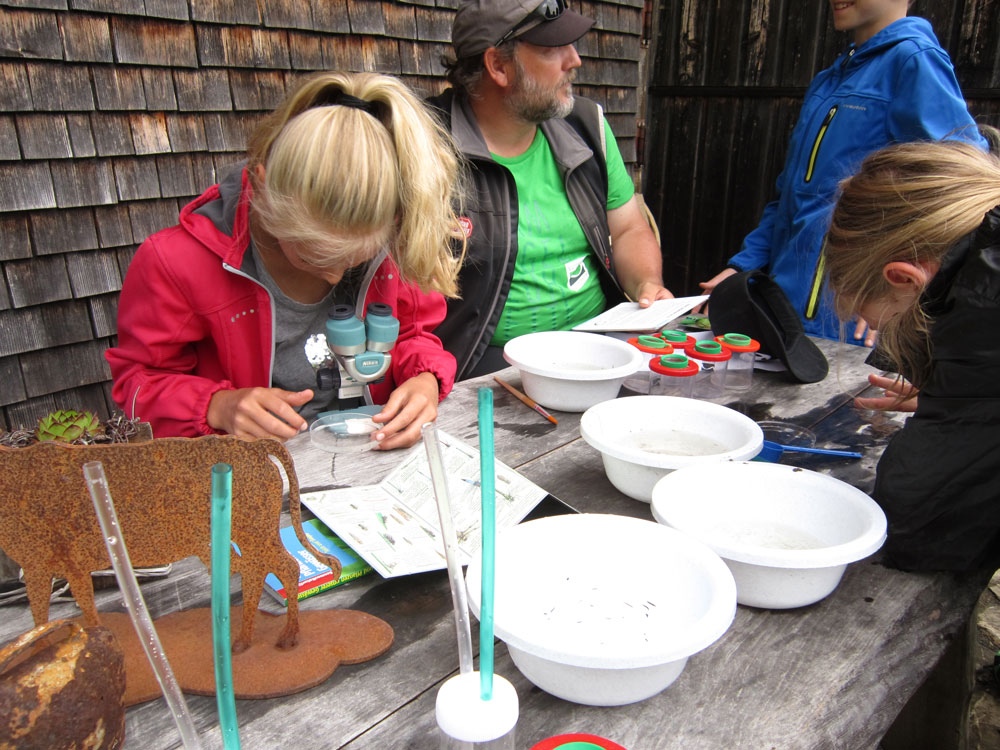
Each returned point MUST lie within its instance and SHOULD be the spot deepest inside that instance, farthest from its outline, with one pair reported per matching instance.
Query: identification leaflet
(628, 316)
(394, 524)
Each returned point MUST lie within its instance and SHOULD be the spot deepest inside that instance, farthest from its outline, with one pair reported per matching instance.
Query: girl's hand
(894, 389)
(412, 405)
(258, 412)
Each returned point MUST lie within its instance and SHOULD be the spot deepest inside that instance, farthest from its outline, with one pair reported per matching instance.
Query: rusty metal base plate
(328, 638)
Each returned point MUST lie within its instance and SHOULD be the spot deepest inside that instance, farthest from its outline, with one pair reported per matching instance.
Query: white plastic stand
(467, 722)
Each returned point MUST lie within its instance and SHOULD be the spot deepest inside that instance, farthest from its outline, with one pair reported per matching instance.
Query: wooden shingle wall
(115, 113)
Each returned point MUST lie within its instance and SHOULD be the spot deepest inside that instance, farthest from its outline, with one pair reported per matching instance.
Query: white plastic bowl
(604, 610)
(571, 370)
(786, 533)
(641, 438)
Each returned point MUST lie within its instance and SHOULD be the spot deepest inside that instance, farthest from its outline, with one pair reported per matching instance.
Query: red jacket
(190, 324)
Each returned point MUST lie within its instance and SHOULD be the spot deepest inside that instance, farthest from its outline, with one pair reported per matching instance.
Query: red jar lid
(679, 339)
(737, 342)
(674, 365)
(651, 345)
(577, 741)
(709, 351)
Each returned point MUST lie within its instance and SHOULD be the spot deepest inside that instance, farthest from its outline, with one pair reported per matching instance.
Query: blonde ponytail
(344, 180)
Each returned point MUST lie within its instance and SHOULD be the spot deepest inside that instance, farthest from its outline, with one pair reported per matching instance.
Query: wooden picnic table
(831, 675)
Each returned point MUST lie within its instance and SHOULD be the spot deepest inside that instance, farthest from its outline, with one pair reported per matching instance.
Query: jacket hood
(911, 28)
(218, 218)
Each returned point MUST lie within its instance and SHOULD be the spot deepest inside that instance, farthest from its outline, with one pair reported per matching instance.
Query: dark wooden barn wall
(726, 82)
(114, 113)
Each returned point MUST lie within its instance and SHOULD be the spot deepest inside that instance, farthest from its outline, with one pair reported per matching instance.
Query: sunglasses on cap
(547, 10)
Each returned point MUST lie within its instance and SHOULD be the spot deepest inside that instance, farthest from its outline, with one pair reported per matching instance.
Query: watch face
(577, 742)
(317, 352)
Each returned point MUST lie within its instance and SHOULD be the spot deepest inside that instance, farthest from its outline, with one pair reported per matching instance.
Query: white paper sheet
(628, 316)
(394, 525)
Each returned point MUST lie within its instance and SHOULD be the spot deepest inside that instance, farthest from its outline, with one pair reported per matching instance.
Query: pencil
(525, 400)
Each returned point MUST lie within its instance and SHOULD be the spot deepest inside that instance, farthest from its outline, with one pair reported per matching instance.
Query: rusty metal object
(162, 493)
(62, 687)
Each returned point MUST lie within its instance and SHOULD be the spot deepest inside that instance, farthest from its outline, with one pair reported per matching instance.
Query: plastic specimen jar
(739, 373)
(713, 359)
(650, 346)
(672, 375)
(678, 339)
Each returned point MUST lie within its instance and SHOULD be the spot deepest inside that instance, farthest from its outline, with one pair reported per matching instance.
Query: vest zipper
(819, 139)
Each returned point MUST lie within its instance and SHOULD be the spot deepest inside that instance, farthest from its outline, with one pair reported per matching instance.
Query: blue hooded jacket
(898, 86)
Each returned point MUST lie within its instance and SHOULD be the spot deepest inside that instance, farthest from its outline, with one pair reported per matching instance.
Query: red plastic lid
(709, 351)
(577, 742)
(651, 345)
(678, 338)
(737, 342)
(674, 365)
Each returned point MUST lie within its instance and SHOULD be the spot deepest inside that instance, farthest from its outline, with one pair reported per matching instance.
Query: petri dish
(344, 432)
(788, 433)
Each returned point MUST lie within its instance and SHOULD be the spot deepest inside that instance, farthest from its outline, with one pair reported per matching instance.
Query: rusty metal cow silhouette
(162, 493)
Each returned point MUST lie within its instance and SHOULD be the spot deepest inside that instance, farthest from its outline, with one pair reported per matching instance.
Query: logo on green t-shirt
(577, 274)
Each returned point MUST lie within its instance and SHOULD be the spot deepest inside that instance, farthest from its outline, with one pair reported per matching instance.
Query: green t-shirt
(556, 284)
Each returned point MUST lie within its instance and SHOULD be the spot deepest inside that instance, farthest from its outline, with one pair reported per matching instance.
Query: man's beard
(534, 103)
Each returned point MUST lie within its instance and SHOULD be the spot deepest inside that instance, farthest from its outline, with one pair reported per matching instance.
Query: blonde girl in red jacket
(346, 196)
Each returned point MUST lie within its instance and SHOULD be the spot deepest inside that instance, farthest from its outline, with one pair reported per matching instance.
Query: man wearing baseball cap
(555, 232)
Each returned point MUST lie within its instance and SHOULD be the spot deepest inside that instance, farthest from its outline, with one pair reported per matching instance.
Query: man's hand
(258, 412)
(650, 291)
(412, 405)
(898, 395)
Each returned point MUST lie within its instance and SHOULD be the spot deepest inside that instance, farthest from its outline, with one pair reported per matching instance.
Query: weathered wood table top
(831, 675)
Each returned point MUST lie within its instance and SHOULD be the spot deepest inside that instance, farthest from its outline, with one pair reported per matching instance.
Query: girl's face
(875, 312)
(866, 17)
(906, 282)
(299, 257)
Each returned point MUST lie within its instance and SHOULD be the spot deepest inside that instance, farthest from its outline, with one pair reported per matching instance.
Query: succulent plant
(67, 425)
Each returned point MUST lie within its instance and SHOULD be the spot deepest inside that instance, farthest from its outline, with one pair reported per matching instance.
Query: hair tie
(338, 97)
(346, 100)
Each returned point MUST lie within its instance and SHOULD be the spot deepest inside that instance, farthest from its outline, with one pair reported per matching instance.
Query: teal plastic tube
(487, 482)
(222, 511)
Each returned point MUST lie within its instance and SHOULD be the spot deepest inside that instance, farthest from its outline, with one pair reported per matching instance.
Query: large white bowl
(786, 533)
(571, 370)
(641, 438)
(604, 610)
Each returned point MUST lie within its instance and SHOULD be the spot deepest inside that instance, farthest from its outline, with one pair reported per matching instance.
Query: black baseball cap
(481, 24)
(752, 303)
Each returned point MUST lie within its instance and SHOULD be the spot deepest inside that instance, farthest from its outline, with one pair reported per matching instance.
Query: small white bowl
(786, 533)
(604, 610)
(641, 438)
(571, 370)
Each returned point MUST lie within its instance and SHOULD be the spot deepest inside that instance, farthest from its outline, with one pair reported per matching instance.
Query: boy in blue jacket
(894, 84)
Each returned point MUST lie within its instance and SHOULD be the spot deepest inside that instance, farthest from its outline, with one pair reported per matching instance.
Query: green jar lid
(708, 347)
(737, 339)
(674, 337)
(653, 342)
(674, 361)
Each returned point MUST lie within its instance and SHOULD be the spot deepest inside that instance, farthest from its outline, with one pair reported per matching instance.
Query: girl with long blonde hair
(914, 250)
(346, 198)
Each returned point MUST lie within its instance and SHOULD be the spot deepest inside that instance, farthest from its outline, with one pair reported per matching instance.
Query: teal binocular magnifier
(353, 352)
